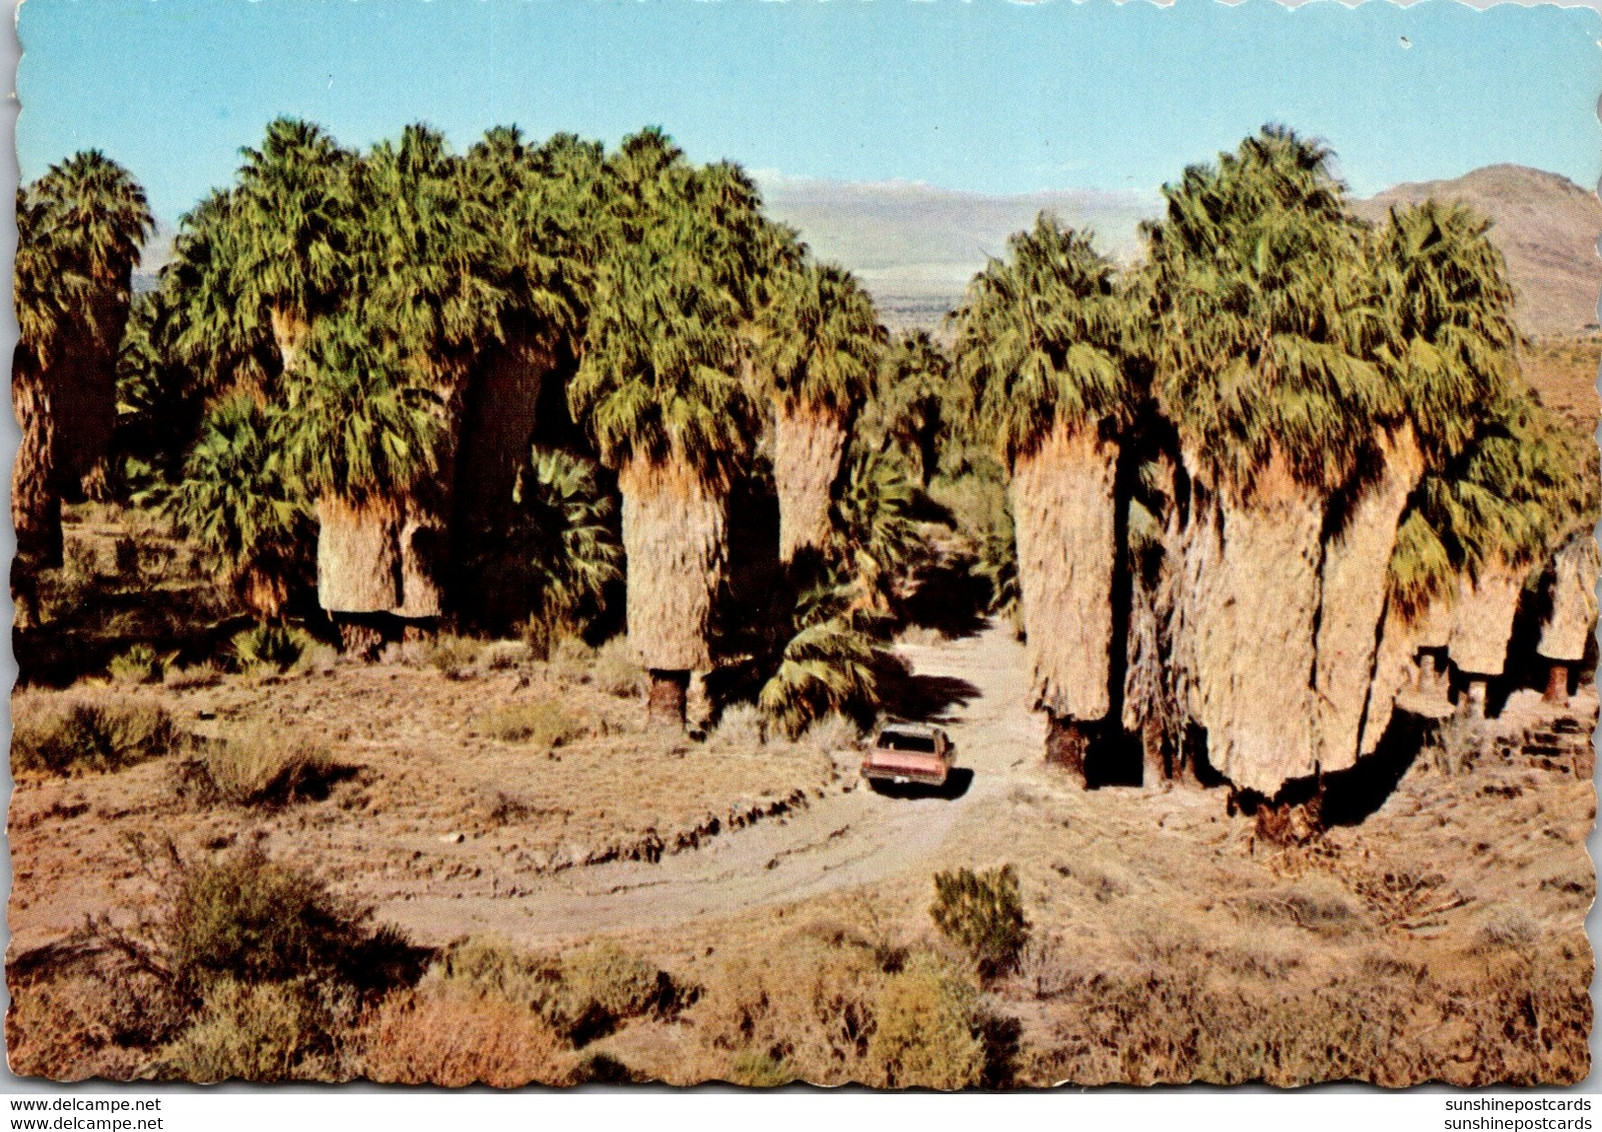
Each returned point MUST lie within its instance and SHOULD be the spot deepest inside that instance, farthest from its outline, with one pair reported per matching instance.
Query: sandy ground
(841, 840)
(1454, 910)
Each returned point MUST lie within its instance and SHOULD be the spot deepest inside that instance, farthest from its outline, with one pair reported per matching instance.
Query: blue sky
(985, 95)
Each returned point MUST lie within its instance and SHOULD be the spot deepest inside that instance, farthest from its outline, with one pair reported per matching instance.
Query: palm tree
(820, 350)
(566, 529)
(1522, 493)
(236, 502)
(1447, 348)
(99, 219)
(1571, 612)
(875, 538)
(420, 254)
(914, 384)
(48, 290)
(290, 218)
(545, 210)
(1262, 363)
(360, 430)
(827, 668)
(1041, 339)
(659, 392)
(1470, 536)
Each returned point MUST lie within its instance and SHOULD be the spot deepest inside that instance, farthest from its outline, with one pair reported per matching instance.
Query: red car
(905, 753)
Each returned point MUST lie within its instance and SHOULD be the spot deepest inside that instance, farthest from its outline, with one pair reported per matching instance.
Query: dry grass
(206, 674)
(616, 671)
(541, 723)
(140, 664)
(451, 1036)
(93, 732)
(453, 657)
(259, 767)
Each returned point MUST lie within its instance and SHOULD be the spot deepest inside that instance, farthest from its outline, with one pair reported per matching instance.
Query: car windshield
(902, 741)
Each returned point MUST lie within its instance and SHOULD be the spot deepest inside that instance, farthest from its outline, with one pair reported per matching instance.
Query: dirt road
(840, 841)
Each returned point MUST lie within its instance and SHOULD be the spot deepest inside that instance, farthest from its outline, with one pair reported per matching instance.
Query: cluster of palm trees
(1250, 478)
(411, 382)
(1303, 441)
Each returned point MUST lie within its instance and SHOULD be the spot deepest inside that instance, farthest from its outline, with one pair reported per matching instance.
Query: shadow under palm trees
(926, 699)
(950, 596)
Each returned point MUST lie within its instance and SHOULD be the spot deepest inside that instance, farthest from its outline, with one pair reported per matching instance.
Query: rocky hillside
(1546, 226)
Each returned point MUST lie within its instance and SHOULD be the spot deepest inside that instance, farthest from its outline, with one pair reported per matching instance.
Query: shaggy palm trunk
(1482, 630)
(1149, 709)
(426, 512)
(1064, 506)
(1572, 617)
(358, 560)
(35, 502)
(675, 543)
(498, 419)
(263, 592)
(1398, 663)
(85, 395)
(1484, 622)
(808, 443)
(1352, 601)
(1252, 638)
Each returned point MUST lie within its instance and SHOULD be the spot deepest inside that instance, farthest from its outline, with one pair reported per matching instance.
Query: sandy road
(840, 841)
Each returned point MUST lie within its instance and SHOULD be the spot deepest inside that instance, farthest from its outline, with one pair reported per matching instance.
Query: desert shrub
(487, 965)
(616, 671)
(262, 1032)
(258, 767)
(502, 655)
(140, 664)
(1165, 1023)
(541, 723)
(1456, 743)
(926, 1034)
(920, 636)
(245, 917)
(603, 977)
(983, 914)
(1043, 968)
(89, 735)
(452, 656)
(452, 1036)
(809, 1006)
(741, 726)
(580, 996)
(269, 647)
(754, 1069)
(546, 634)
(602, 1069)
(90, 1023)
(1509, 928)
(833, 734)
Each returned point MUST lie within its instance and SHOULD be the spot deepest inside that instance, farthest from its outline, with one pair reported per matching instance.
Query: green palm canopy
(1040, 339)
(1265, 328)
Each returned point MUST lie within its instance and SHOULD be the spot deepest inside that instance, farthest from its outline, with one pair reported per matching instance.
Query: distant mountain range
(916, 246)
(1547, 228)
